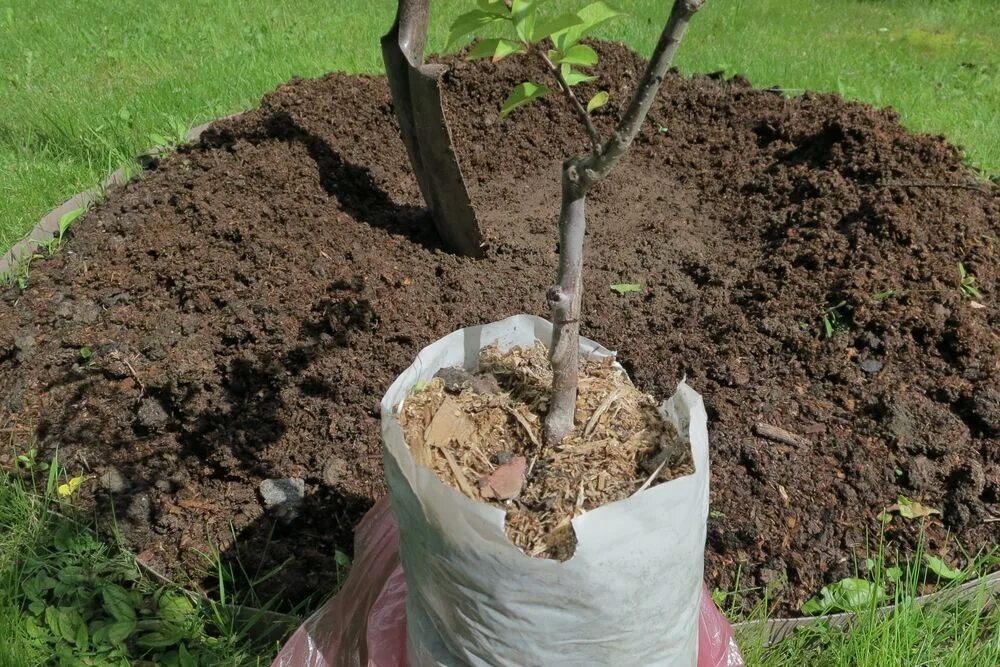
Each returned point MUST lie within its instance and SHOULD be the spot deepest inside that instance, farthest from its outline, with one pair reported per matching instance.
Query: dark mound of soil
(251, 297)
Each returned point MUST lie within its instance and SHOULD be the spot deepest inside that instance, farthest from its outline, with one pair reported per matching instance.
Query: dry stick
(778, 434)
(580, 174)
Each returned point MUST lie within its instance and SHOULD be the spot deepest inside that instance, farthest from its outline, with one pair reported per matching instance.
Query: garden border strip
(776, 629)
(48, 227)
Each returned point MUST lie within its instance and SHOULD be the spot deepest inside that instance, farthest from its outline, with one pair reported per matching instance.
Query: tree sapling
(556, 41)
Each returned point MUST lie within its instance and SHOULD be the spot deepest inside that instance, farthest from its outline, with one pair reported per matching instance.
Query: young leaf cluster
(556, 39)
(88, 608)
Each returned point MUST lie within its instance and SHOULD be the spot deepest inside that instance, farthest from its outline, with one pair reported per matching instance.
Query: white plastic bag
(350, 630)
(631, 593)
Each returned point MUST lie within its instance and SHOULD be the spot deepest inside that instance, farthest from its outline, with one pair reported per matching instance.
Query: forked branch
(580, 174)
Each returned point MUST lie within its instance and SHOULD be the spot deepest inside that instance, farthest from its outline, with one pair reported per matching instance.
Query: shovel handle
(411, 28)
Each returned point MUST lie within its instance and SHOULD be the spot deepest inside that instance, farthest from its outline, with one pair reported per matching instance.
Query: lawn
(84, 85)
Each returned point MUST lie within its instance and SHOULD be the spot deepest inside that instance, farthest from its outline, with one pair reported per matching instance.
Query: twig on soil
(777, 434)
(142, 387)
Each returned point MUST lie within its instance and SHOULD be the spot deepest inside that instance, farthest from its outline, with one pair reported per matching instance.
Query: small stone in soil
(283, 496)
(24, 342)
(871, 365)
(986, 406)
(335, 471)
(139, 509)
(920, 474)
(455, 379)
(501, 458)
(113, 481)
(485, 384)
(152, 415)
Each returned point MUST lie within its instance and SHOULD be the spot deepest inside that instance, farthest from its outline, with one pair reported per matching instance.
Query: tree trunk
(564, 300)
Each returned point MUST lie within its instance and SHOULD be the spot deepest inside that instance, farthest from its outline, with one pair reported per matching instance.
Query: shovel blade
(416, 96)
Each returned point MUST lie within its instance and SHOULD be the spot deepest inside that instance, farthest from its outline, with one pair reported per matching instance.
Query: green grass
(84, 85)
(37, 545)
(63, 591)
(965, 634)
(962, 629)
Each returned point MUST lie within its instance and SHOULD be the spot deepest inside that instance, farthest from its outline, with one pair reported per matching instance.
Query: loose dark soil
(251, 297)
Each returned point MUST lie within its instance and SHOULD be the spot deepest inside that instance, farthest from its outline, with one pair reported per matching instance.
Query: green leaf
(118, 603)
(521, 95)
(82, 639)
(118, 632)
(883, 295)
(524, 13)
(157, 639)
(175, 608)
(184, 657)
(33, 629)
(580, 54)
(592, 16)
(554, 25)
(342, 559)
(625, 288)
(940, 568)
(71, 574)
(894, 573)
(469, 23)
(573, 77)
(495, 49)
(597, 101)
(67, 622)
(845, 595)
(67, 219)
(719, 597)
(53, 481)
(525, 27)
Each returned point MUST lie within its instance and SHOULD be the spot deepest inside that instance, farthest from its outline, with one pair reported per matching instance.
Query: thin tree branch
(599, 166)
(595, 137)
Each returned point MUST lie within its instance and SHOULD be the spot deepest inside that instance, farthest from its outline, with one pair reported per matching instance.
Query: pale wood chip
(526, 425)
(449, 423)
(599, 412)
(463, 483)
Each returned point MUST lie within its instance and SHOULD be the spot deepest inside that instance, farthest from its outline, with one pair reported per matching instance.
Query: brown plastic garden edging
(274, 625)
(48, 227)
(776, 629)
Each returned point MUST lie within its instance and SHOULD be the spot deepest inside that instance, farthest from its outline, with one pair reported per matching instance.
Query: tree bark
(564, 301)
(580, 174)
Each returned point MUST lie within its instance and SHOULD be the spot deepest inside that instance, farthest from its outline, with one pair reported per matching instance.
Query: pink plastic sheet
(364, 625)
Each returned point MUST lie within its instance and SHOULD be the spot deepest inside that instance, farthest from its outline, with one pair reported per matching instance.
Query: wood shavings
(476, 434)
